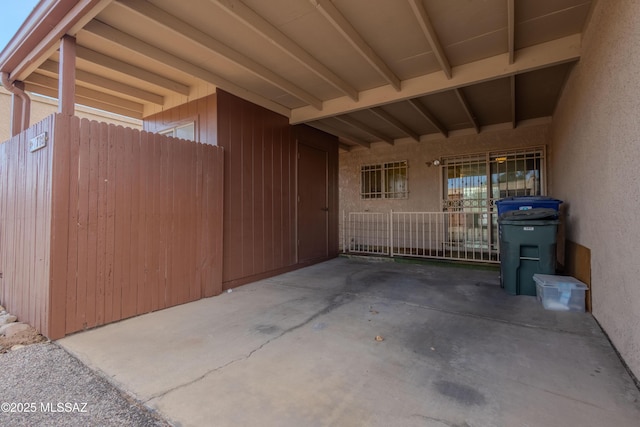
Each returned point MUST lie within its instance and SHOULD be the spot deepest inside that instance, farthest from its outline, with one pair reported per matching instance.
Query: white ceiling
(366, 70)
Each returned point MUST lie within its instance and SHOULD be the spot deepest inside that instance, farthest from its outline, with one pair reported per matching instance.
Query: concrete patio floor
(300, 350)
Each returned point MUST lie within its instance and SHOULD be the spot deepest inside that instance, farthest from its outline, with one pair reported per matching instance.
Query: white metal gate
(441, 235)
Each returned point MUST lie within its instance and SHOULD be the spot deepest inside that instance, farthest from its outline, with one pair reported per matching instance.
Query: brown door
(313, 211)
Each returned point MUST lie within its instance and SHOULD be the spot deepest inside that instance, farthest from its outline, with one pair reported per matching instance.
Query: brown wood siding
(25, 219)
(260, 216)
(137, 223)
(203, 111)
(260, 190)
(314, 138)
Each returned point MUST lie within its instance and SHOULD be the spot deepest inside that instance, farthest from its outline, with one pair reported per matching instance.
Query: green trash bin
(527, 247)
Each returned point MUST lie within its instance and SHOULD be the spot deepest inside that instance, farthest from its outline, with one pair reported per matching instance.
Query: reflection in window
(185, 131)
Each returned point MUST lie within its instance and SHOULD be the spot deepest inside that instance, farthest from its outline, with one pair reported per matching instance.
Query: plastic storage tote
(563, 293)
(526, 203)
(527, 247)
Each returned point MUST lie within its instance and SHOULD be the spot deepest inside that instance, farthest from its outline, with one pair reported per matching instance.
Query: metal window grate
(516, 174)
(371, 178)
(473, 183)
(387, 180)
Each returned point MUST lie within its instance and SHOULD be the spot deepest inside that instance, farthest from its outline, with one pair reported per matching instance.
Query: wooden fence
(135, 225)
(25, 225)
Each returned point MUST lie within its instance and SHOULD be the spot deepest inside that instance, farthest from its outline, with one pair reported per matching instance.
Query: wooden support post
(67, 79)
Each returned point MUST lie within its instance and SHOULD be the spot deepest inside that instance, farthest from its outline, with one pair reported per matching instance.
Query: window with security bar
(472, 184)
(384, 181)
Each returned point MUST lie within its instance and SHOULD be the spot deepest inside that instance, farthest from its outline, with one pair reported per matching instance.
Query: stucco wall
(424, 180)
(595, 154)
(42, 107)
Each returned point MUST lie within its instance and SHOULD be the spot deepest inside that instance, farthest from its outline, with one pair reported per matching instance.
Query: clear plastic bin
(560, 293)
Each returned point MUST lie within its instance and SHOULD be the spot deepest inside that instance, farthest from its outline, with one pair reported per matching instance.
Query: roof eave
(42, 30)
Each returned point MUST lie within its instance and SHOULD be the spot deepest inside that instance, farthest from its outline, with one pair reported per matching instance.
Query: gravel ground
(43, 385)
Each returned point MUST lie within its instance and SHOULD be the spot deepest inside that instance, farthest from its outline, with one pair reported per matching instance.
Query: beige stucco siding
(42, 107)
(424, 180)
(595, 155)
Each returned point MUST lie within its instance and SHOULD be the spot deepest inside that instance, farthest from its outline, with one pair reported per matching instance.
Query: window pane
(516, 175)
(384, 181)
(371, 181)
(466, 186)
(187, 131)
(396, 180)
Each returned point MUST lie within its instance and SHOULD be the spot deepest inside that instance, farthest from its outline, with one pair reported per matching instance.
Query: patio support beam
(560, 51)
(51, 68)
(340, 134)
(89, 102)
(193, 35)
(86, 93)
(344, 27)
(67, 73)
(512, 83)
(366, 129)
(511, 28)
(132, 71)
(139, 47)
(467, 109)
(430, 34)
(259, 25)
(426, 114)
(383, 115)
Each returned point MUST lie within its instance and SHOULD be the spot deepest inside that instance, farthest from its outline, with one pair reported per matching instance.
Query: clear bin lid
(558, 281)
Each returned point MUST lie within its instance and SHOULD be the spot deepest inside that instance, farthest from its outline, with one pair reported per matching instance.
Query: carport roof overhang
(366, 71)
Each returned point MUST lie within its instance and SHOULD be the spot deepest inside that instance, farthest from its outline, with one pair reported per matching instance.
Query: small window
(185, 131)
(384, 181)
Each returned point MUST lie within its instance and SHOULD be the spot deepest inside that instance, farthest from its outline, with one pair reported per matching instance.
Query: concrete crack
(337, 301)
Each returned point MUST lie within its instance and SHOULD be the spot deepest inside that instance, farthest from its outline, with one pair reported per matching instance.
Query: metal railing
(469, 236)
(366, 233)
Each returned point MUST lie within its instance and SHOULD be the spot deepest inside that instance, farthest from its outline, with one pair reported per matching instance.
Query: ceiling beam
(183, 29)
(344, 147)
(366, 129)
(344, 27)
(81, 13)
(426, 114)
(467, 109)
(511, 28)
(340, 134)
(429, 32)
(131, 70)
(89, 102)
(50, 68)
(48, 82)
(259, 25)
(139, 47)
(393, 121)
(563, 50)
